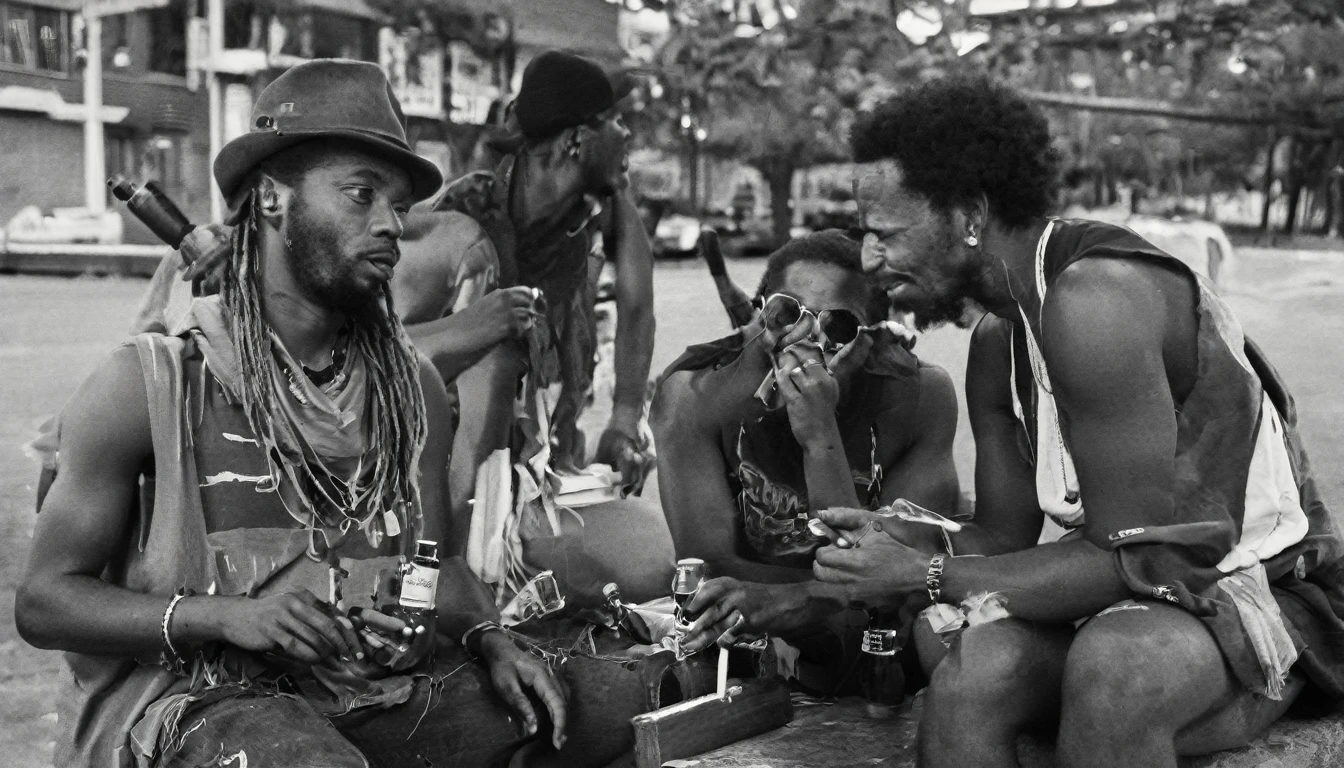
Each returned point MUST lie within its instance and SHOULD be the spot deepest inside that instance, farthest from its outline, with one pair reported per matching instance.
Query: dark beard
(955, 303)
(312, 255)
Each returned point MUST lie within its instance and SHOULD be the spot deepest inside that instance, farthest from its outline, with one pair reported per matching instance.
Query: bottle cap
(427, 549)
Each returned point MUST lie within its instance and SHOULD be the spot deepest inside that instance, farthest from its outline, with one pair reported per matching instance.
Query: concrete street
(53, 331)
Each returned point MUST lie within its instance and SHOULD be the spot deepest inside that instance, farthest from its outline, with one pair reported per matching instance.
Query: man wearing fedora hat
(288, 443)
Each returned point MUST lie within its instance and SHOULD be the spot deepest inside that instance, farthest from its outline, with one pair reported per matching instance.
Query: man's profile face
(910, 248)
(342, 226)
(605, 153)
(819, 287)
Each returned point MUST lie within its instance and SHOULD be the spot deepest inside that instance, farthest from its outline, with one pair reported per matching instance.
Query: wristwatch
(933, 581)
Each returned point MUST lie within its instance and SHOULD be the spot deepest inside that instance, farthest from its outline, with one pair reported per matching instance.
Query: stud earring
(972, 240)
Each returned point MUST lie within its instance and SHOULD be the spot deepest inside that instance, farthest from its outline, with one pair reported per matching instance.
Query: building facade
(154, 124)
(453, 69)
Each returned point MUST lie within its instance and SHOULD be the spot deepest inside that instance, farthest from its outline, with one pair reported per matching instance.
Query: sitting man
(1110, 389)
(862, 423)
(292, 444)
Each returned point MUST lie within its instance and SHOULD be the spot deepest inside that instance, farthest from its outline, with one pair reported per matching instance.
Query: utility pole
(215, 25)
(95, 163)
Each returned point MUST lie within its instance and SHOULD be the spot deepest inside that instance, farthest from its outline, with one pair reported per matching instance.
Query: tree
(777, 84)
(1274, 70)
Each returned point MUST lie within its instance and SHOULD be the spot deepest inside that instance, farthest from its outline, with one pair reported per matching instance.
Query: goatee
(313, 250)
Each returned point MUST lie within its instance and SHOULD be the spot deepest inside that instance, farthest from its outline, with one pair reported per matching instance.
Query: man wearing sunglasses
(814, 404)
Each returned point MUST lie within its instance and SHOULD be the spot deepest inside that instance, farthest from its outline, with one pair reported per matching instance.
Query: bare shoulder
(1100, 294)
(671, 398)
(106, 421)
(425, 277)
(937, 397)
(1105, 322)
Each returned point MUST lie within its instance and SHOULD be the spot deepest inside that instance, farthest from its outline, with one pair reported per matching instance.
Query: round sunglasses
(838, 326)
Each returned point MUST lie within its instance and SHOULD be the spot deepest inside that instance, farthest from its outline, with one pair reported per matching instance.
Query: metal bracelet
(933, 581)
(173, 656)
(484, 626)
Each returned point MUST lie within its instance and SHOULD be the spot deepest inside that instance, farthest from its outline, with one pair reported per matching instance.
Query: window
(168, 38)
(36, 38)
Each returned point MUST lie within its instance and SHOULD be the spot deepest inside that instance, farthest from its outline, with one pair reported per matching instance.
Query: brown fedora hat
(324, 98)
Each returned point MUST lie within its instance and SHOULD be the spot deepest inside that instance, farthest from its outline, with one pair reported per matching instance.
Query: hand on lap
(512, 670)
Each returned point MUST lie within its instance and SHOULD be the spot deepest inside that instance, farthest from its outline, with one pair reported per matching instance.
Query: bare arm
(64, 604)
(634, 315)
(925, 473)
(462, 600)
(1104, 347)
(445, 292)
(1008, 517)
(694, 488)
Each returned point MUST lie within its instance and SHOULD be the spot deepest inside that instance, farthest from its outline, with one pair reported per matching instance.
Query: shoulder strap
(172, 534)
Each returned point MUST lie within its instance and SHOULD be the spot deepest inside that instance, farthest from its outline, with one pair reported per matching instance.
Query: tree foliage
(776, 84)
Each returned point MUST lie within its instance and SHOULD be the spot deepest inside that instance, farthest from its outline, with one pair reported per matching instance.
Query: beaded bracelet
(484, 626)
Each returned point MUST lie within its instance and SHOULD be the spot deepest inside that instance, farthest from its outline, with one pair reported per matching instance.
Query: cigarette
(818, 528)
(722, 688)
(379, 621)
(373, 639)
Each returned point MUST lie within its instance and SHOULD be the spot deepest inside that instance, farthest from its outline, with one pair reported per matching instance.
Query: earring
(574, 149)
(972, 240)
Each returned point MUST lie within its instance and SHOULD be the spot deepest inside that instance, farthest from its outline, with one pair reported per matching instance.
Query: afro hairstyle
(831, 246)
(962, 136)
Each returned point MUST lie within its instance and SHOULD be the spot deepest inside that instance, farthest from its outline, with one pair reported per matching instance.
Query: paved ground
(53, 331)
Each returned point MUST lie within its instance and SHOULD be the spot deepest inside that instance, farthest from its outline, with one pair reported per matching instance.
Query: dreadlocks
(397, 426)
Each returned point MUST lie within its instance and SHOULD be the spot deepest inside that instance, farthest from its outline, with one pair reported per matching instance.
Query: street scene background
(54, 331)
(1213, 127)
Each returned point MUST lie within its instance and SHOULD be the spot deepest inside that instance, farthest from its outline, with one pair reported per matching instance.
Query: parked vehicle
(1202, 245)
(675, 236)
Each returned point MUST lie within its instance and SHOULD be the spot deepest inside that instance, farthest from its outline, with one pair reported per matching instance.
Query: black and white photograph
(671, 383)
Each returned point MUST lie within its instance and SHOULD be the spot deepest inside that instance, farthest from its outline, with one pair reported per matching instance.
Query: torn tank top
(1273, 519)
(1245, 513)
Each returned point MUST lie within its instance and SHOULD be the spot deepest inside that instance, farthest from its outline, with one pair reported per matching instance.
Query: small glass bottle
(419, 590)
(883, 679)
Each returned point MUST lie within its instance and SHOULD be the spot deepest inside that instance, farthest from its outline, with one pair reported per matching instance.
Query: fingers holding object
(847, 518)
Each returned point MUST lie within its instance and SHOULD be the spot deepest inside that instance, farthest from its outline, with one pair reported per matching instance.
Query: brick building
(154, 125)
(156, 112)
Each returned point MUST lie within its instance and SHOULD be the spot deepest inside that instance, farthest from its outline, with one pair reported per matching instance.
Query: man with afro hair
(1194, 596)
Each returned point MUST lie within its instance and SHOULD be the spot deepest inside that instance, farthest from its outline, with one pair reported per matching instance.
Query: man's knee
(988, 665)
(1126, 667)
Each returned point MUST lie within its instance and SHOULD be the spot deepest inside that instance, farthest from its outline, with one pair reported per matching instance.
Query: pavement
(54, 331)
